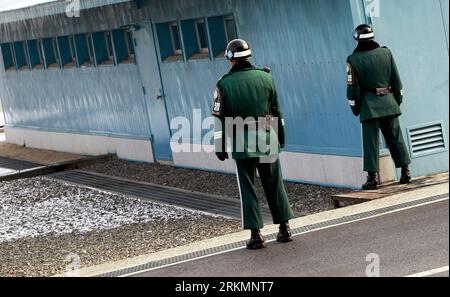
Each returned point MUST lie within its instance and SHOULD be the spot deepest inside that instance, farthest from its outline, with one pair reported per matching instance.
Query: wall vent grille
(427, 139)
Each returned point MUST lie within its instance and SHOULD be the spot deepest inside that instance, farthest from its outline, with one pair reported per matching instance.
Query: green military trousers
(390, 127)
(272, 180)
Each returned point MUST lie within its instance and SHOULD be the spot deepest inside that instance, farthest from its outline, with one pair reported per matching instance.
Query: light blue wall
(107, 100)
(306, 44)
(419, 44)
(445, 9)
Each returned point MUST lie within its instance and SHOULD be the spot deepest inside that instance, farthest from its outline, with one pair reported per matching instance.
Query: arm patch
(350, 75)
(218, 103)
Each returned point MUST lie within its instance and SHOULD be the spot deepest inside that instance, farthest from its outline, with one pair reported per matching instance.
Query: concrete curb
(243, 235)
(54, 168)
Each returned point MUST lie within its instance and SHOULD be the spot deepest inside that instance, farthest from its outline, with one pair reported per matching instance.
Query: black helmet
(238, 49)
(364, 32)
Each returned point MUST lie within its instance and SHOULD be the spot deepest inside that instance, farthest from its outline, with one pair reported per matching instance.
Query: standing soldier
(247, 92)
(375, 93)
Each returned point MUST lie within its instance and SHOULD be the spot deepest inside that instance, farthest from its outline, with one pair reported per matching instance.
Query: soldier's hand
(222, 156)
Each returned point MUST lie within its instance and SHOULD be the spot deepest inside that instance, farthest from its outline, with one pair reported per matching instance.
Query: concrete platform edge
(269, 229)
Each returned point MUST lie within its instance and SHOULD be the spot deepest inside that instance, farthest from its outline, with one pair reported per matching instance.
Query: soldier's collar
(244, 65)
(366, 46)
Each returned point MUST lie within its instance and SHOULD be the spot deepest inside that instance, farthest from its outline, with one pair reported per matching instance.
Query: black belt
(381, 91)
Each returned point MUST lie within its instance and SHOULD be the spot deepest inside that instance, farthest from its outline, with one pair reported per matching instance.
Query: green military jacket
(248, 94)
(368, 68)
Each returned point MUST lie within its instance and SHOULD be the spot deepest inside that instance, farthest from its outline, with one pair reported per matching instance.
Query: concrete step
(389, 189)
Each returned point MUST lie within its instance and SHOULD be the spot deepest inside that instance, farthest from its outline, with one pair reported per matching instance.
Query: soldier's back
(373, 67)
(247, 92)
(374, 70)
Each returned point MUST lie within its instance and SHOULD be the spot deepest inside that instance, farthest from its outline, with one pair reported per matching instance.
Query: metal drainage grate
(16, 164)
(427, 139)
(227, 207)
(271, 237)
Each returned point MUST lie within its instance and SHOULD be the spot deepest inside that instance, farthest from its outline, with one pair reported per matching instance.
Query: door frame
(150, 27)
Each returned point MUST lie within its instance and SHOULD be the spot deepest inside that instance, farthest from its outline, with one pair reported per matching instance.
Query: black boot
(406, 176)
(285, 234)
(372, 182)
(256, 241)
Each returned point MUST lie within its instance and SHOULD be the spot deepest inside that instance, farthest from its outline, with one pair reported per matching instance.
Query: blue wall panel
(105, 100)
(306, 44)
(422, 58)
(444, 10)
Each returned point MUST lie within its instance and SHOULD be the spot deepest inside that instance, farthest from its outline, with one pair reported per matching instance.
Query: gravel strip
(305, 199)
(42, 221)
(50, 255)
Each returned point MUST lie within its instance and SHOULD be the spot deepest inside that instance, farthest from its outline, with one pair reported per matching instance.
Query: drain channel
(241, 244)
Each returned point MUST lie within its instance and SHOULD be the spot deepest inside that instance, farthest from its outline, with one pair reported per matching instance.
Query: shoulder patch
(350, 75)
(265, 69)
(218, 103)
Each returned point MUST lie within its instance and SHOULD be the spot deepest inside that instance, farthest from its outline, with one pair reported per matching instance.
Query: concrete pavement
(406, 242)
(340, 218)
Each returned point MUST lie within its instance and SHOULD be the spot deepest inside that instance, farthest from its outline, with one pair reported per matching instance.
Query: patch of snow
(42, 206)
(5, 171)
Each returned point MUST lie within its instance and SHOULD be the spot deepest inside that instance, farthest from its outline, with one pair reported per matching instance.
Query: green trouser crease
(272, 180)
(390, 127)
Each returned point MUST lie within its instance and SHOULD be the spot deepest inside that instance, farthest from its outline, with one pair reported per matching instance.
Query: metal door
(147, 61)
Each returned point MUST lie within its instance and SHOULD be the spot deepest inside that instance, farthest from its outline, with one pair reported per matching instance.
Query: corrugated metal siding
(94, 19)
(423, 65)
(309, 43)
(48, 9)
(106, 100)
(306, 44)
(191, 86)
(445, 9)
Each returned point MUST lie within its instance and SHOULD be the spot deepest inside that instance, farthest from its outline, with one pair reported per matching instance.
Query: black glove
(222, 156)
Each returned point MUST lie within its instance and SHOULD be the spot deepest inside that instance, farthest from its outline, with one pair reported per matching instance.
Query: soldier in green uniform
(247, 95)
(375, 94)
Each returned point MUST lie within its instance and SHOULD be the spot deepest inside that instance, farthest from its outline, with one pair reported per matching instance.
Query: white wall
(300, 167)
(129, 149)
(310, 168)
